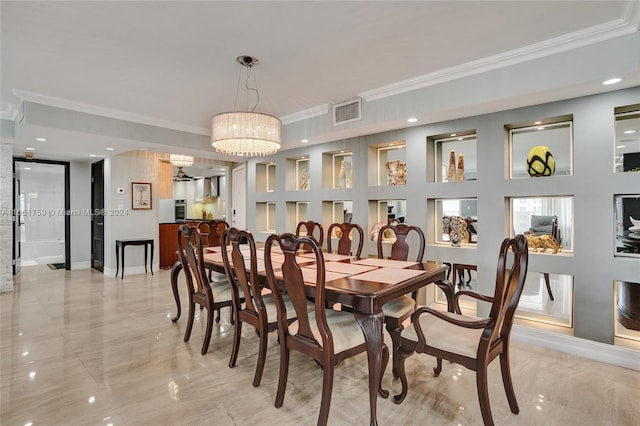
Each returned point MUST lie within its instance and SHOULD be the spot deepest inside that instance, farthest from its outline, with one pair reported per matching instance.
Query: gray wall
(593, 186)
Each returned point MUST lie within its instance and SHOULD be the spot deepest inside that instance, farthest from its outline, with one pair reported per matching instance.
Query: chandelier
(246, 133)
(181, 160)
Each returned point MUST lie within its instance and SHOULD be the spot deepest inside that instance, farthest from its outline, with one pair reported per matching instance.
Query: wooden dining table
(365, 285)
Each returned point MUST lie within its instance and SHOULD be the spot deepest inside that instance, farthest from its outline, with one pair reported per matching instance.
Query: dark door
(17, 219)
(97, 215)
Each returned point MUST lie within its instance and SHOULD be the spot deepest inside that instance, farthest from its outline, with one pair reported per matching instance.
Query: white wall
(6, 221)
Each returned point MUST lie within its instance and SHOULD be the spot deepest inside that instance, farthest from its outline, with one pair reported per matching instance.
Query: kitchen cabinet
(206, 189)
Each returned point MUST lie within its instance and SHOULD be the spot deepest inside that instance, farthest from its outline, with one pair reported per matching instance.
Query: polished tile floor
(78, 348)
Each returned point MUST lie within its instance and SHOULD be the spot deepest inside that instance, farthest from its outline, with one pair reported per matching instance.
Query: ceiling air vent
(346, 112)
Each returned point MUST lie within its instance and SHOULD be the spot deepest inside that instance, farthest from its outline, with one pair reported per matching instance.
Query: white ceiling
(172, 63)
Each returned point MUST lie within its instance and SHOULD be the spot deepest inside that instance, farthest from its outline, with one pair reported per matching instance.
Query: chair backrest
(294, 286)
(400, 248)
(235, 264)
(346, 233)
(509, 284)
(205, 230)
(217, 228)
(191, 256)
(314, 230)
(545, 225)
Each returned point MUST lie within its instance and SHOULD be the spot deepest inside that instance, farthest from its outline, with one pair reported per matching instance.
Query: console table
(122, 243)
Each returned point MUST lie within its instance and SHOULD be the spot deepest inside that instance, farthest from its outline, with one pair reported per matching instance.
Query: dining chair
(240, 259)
(211, 234)
(312, 229)
(209, 295)
(345, 232)
(326, 335)
(398, 310)
(545, 225)
(470, 341)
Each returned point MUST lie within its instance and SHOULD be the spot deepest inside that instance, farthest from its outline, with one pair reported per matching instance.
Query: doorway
(42, 230)
(97, 216)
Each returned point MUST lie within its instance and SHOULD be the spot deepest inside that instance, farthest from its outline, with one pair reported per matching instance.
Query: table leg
(175, 270)
(151, 263)
(372, 328)
(145, 258)
(122, 249)
(117, 259)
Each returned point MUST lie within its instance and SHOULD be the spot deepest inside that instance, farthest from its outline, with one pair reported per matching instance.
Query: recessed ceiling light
(540, 128)
(27, 168)
(620, 146)
(342, 152)
(628, 132)
(109, 149)
(460, 139)
(412, 120)
(41, 139)
(612, 81)
(537, 122)
(454, 134)
(304, 140)
(30, 149)
(92, 155)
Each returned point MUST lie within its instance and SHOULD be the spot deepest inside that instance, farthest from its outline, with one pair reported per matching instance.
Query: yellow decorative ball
(540, 162)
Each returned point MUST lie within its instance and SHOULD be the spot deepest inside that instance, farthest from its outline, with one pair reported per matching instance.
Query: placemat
(309, 275)
(388, 275)
(385, 263)
(328, 256)
(344, 268)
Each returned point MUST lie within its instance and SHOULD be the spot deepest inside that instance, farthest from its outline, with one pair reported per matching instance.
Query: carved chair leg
(394, 331)
(284, 373)
(236, 344)
(262, 355)
(192, 313)
(402, 355)
(438, 368)
(385, 360)
(327, 387)
(483, 395)
(546, 281)
(506, 379)
(207, 336)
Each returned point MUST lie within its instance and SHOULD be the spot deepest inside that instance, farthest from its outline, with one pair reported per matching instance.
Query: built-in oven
(181, 210)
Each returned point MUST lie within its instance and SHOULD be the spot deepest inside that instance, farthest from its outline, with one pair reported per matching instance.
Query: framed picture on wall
(140, 195)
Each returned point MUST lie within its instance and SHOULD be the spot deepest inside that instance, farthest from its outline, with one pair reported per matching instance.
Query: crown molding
(39, 98)
(588, 36)
(306, 114)
(631, 13)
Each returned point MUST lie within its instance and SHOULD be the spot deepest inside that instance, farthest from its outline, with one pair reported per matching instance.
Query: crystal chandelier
(246, 133)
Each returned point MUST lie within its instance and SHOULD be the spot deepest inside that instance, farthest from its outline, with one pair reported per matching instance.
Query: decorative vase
(457, 231)
(460, 175)
(342, 177)
(396, 172)
(540, 162)
(452, 167)
(304, 180)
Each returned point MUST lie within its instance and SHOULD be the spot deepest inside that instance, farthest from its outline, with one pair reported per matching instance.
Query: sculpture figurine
(396, 172)
(460, 175)
(342, 177)
(451, 176)
(543, 242)
(304, 180)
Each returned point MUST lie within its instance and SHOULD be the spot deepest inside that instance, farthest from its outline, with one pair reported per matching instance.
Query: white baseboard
(610, 354)
(130, 270)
